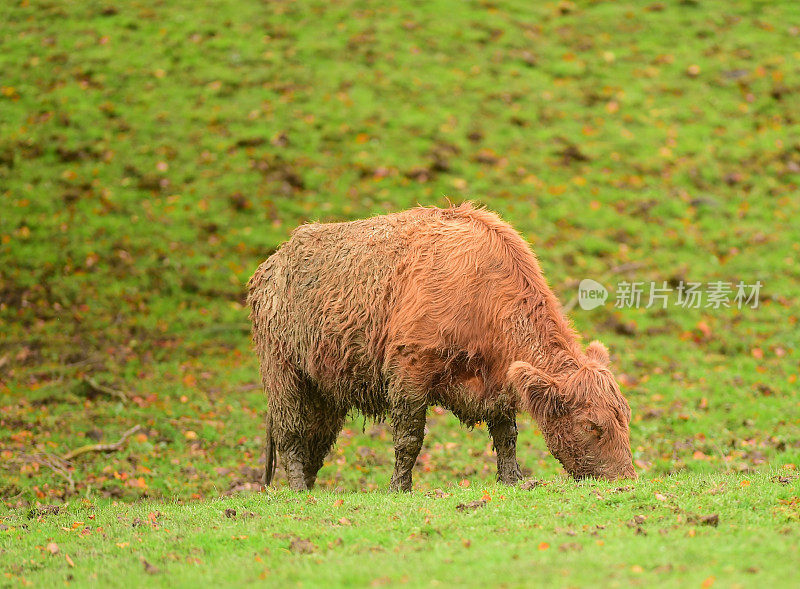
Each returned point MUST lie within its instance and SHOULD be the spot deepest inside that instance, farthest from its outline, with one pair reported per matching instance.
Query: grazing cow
(395, 313)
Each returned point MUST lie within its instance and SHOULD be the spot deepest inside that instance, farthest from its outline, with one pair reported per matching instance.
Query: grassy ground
(687, 531)
(153, 153)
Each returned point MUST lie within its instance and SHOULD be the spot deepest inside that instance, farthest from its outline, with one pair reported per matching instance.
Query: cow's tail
(270, 452)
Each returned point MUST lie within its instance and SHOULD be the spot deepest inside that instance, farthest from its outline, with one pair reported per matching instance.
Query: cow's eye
(594, 428)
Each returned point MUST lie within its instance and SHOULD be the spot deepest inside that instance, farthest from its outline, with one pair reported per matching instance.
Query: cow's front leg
(504, 436)
(409, 429)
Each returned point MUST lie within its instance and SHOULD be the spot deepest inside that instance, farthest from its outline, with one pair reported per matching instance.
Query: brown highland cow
(392, 314)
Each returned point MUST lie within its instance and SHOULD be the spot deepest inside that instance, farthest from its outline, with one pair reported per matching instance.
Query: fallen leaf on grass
(302, 546)
(567, 531)
(471, 506)
(544, 546)
(52, 548)
(69, 560)
(530, 484)
(570, 546)
(710, 520)
(43, 510)
(230, 513)
(636, 523)
(438, 494)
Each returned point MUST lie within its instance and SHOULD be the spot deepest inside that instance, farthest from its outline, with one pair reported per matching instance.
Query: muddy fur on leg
(324, 427)
(408, 420)
(504, 438)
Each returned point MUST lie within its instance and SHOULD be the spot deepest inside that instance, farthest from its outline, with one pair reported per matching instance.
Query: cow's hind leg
(293, 450)
(503, 429)
(325, 423)
(408, 419)
(288, 410)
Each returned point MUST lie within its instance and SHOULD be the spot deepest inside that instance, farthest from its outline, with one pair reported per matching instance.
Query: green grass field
(153, 153)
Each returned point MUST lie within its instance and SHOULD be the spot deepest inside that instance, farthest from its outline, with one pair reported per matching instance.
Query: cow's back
(326, 293)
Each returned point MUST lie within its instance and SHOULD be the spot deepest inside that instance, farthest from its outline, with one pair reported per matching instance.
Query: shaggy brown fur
(392, 314)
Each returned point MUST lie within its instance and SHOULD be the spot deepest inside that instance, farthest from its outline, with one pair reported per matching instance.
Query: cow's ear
(598, 352)
(538, 391)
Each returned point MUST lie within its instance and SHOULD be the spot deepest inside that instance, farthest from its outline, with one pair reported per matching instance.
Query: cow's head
(582, 414)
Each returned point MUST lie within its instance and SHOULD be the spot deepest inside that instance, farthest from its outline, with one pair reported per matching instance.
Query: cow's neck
(552, 343)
